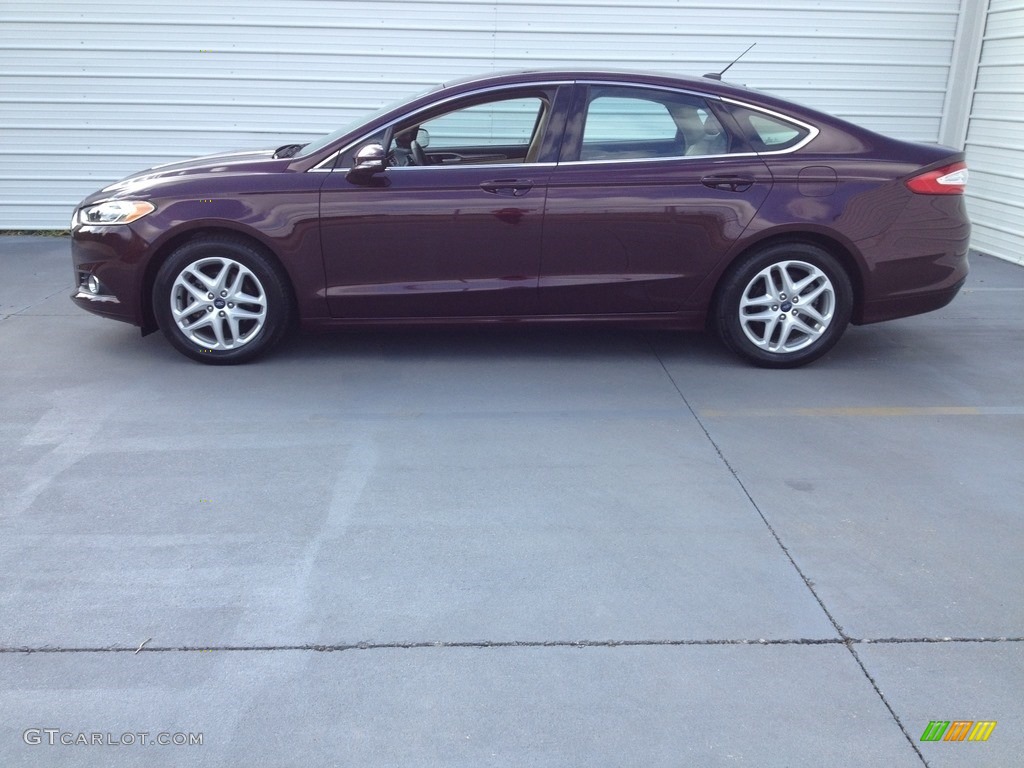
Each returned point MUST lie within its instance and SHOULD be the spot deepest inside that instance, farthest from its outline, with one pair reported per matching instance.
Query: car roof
(509, 77)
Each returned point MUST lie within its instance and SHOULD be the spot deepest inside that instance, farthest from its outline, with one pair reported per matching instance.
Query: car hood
(147, 183)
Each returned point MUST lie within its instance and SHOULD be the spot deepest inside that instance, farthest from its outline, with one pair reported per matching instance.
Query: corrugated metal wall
(995, 136)
(93, 91)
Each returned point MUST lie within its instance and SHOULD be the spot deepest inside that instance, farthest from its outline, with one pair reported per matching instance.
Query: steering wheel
(419, 157)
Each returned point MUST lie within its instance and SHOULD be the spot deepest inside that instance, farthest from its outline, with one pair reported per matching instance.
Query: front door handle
(511, 187)
(728, 182)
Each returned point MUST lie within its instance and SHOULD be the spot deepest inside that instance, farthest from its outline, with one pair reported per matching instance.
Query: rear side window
(620, 118)
(768, 133)
(624, 123)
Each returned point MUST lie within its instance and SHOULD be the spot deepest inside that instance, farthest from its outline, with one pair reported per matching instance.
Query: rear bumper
(919, 263)
(907, 305)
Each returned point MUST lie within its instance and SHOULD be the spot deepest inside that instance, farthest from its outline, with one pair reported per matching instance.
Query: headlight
(115, 212)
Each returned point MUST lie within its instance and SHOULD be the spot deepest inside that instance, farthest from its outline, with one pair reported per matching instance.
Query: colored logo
(958, 730)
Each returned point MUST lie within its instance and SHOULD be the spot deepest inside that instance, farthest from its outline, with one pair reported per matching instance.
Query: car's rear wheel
(221, 301)
(785, 306)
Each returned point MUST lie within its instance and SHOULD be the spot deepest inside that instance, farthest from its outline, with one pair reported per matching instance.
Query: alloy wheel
(787, 306)
(218, 303)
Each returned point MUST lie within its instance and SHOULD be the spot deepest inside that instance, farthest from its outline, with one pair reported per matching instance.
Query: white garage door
(93, 91)
(995, 136)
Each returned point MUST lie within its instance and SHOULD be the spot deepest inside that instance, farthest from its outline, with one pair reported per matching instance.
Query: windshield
(318, 144)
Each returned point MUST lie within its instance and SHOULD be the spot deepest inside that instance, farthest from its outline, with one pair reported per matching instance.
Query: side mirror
(369, 160)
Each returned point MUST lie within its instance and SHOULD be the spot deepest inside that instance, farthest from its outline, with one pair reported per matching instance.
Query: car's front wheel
(221, 301)
(785, 306)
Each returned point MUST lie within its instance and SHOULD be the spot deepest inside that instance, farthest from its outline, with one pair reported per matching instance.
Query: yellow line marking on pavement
(874, 411)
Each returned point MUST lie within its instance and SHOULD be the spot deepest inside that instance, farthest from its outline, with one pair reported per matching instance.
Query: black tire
(793, 333)
(222, 301)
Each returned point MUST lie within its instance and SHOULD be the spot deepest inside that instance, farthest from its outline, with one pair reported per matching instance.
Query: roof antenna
(718, 75)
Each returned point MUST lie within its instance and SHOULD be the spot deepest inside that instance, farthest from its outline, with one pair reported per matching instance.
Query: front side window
(507, 123)
(498, 131)
(636, 123)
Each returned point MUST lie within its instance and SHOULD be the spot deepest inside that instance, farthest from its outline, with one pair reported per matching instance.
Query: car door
(452, 229)
(650, 193)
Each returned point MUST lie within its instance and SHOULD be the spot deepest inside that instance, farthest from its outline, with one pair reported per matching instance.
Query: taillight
(950, 180)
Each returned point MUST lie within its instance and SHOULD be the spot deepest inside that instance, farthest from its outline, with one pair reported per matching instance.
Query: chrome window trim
(332, 158)
(812, 130)
(470, 165)
(673, 158)
(452, 165)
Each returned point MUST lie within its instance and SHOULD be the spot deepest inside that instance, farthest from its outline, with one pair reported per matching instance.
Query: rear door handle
(511, 187)
(728, 182)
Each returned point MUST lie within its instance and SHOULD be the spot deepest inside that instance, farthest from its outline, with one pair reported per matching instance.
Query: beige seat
(702, 138)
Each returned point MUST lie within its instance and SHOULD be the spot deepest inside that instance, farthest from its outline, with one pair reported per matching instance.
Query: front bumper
(113, 255)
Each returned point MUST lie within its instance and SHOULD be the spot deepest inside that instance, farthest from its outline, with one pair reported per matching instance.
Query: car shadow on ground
(858, 347)
(486, 343)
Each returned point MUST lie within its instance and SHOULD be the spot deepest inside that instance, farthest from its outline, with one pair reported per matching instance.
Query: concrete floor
(509, 547)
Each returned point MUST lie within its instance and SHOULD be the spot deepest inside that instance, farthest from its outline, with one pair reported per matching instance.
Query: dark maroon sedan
(587, 196)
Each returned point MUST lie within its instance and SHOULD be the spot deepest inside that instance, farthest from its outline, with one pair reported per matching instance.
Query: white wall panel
(995, 136)
(91, 91)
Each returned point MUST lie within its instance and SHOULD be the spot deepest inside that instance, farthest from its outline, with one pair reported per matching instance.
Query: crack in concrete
(426, 644)
(846, 639)
(43, 300)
